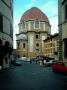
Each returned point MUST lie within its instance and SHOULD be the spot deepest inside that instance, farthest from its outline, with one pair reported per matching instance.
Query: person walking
(30, 61)
(7, 51)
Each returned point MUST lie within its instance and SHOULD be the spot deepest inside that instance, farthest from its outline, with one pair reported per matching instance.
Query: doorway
(65, 48)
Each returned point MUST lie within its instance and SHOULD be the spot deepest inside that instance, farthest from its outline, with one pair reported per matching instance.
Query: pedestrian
(36, 61)
(30, 61)
(1, 53)
(7, 51)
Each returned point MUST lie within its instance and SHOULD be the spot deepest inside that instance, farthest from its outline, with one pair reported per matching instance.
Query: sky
(49, 7)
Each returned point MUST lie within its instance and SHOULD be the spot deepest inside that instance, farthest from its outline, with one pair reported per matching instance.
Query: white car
(49, 63)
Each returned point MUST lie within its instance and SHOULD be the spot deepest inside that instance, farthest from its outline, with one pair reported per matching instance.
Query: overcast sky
(49, 7)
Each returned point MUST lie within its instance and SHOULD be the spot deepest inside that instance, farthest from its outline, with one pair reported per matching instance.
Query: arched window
(24, 45)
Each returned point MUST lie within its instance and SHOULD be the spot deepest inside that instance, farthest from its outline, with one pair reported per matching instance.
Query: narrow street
(31, 77)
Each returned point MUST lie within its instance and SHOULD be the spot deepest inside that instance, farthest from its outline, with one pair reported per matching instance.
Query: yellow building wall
(50, 46)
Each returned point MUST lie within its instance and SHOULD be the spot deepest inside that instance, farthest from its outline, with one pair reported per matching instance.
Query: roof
(51, 37)
(33, 14)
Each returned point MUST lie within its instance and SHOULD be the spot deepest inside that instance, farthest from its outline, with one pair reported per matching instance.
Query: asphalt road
(31, 77)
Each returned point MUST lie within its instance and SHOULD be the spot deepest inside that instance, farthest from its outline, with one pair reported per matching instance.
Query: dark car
(16, 62)
(42, 57)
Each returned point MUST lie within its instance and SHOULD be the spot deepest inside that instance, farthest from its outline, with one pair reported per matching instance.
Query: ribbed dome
(33, 14)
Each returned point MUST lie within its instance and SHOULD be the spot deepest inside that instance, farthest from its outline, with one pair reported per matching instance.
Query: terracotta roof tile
(33, 14)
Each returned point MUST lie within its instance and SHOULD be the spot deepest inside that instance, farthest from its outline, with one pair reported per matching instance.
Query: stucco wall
(6, 13)
(64, 30)
(6, 25)
(4, 10)
(30, 42)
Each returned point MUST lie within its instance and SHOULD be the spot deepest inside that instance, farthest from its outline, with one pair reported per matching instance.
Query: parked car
(16, 62)
(60, 67)
(49, 63)
(40, 57)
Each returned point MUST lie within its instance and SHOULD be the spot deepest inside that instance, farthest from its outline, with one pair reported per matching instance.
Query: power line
(53, 16)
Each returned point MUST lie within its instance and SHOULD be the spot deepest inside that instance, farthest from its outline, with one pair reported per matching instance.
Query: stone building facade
(34, 27)
(6, 20)
(51, 46)
(6, 24)
(62, 24)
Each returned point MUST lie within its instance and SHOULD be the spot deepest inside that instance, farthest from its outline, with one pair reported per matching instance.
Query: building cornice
(21, 33)
(34, 32)
(34, 20)
(21, 40)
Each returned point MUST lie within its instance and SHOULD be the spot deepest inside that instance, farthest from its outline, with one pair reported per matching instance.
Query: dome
(33, 14)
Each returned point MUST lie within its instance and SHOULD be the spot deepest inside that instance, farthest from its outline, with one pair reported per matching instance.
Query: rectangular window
(32, 24)
(23, 25)
(66, 11)
(37, 36)
(65, 48)
(36, 24)
(50, 44)
(23, 45)
(1, 23)
(18, 45)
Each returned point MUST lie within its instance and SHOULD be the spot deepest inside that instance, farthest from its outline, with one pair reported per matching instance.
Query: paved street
(31, 77)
